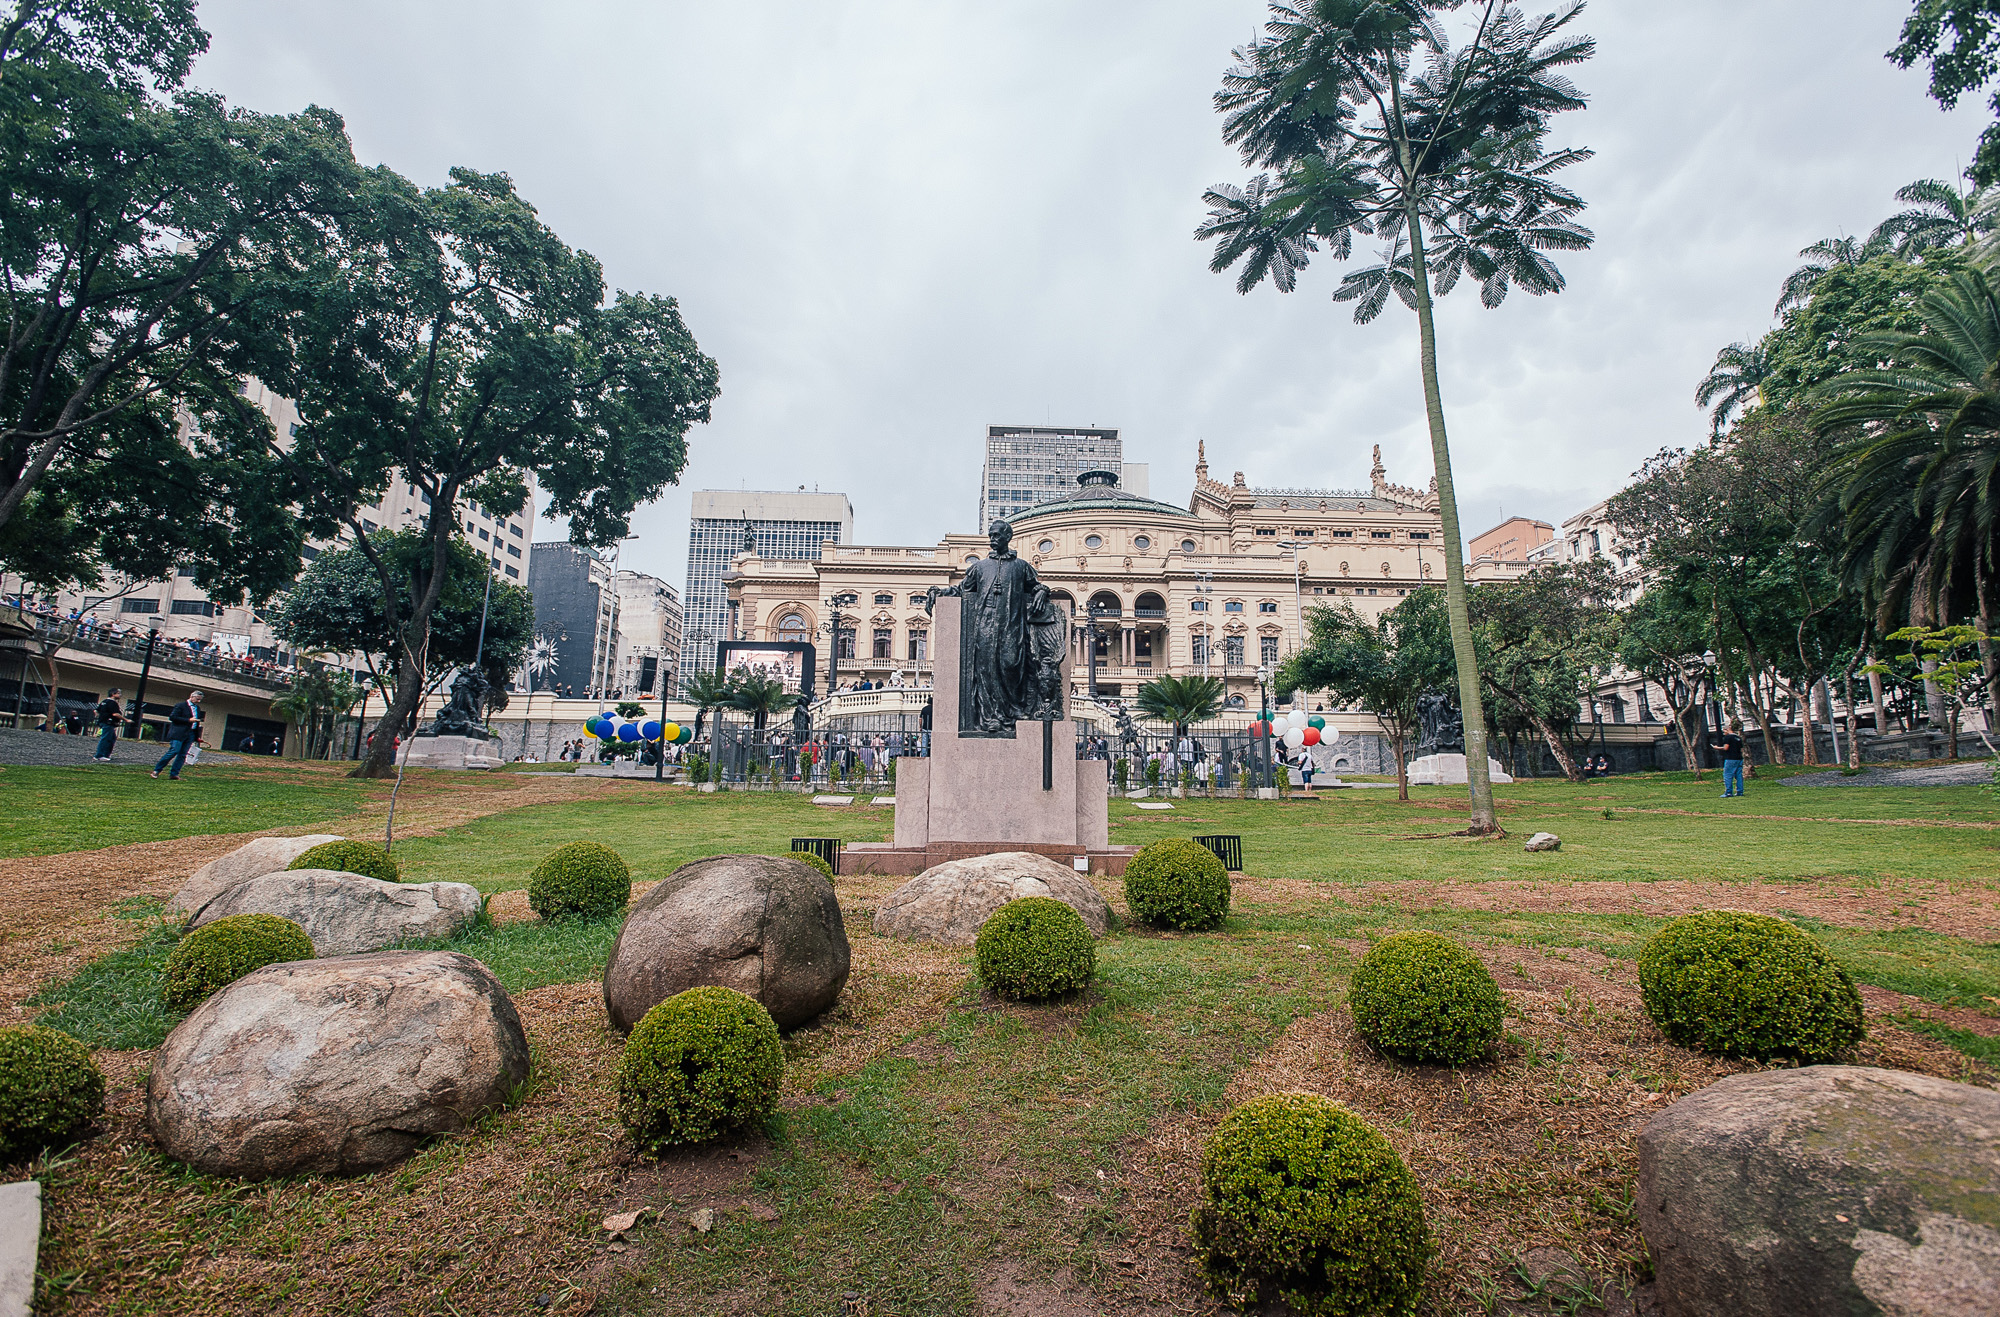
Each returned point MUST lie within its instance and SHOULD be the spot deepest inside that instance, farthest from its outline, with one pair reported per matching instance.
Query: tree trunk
(1809, 748)
(1556, 747)
(1854, 718)
(1688, 755)
(379, 759)
(1402, 767)
(1774, 750)
(1875, 698)
(1483, 820)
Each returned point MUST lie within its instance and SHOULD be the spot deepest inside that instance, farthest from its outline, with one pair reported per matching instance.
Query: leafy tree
(1961, 43)
(1940, 215)
(1371, 123)
(1735, 382)
(1181, 700)
(1662, 642)
(1828, 333)
(319, 697)
(455, 344)
(1546, 638)
(1822, 258)
(705, 690)
(1383, 664)
(758, 694)
(1918, 487)
(144, 231)
(336, 608)
(1945, 659)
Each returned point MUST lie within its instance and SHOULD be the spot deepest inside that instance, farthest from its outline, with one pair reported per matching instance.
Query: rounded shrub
(1035, 947)
(1177, 884)
(51, 1092)
(1302, 1197)
(1734, 983)
(702, 1063)
(812, 861)
(580, 880)
(216, 955)
(1422, 997)
(362, 857)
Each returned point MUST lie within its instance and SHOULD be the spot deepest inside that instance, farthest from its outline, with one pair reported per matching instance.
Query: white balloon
(1295, 738)
(1329, 734)
(1294, 720)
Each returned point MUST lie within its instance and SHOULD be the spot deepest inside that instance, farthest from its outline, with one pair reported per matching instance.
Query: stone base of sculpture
(983, 795)
(1449, 771)
(450, 752)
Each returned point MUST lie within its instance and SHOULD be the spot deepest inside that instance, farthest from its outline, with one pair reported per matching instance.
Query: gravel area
(51, 748)
(1949, 775)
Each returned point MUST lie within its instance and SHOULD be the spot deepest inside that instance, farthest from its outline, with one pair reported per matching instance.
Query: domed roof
(1098, 491)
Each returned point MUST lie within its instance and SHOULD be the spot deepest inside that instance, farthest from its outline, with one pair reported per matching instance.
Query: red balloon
(1260, 728)
(1312, 736)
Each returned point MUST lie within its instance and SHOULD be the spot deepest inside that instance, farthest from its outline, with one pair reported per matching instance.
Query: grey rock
(335, 1066)
(767, 926)
(1544, 841)
(948, 902)
(1827, 1189)
(345, 913)
(253, 859)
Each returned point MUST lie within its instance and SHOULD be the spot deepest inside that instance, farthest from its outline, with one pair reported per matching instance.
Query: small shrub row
(580, 880)
(51, 1091)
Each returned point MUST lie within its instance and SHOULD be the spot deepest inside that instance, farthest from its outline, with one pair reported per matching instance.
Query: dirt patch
(1003, 1292)
(893, 990)
(1535, 1150)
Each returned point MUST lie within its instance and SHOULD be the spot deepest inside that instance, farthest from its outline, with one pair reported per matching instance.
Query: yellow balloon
(669, 731)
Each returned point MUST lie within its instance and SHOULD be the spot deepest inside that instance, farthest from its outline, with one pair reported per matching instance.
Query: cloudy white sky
(894, 222)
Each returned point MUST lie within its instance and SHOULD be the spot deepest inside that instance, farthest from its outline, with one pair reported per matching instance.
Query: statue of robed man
(997, 669)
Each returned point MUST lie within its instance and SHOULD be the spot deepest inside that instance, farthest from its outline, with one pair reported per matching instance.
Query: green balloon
(687, 734)
(1316, 722)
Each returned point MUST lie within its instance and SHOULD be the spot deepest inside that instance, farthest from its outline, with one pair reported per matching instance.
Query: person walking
(1729, 744)
(108, 715)
(183, 730)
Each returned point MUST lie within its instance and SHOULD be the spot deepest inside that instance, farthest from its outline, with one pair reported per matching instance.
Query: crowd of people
(188, 650)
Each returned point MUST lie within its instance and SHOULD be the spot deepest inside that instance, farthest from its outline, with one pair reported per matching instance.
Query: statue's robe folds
(996, 661)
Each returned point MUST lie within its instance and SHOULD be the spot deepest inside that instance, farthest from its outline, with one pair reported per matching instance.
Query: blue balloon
(651, 729)
(628, 732)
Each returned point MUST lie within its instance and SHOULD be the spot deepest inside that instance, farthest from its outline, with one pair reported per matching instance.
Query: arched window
(1106, 603)
(1149, 605)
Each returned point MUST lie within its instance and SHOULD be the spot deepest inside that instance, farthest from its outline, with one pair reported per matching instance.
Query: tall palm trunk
(1473, 710)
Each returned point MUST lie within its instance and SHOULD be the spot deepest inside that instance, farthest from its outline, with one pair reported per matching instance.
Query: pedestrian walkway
(31, 747)
(1942, 775)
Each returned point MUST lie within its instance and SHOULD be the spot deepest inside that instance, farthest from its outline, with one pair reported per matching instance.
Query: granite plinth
(891, 860)
(450, 752)
(1449, 771)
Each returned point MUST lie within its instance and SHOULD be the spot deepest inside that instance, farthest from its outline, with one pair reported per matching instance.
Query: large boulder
(1828, 1189)
(335, 1066)
(253, 859)
(764, 925)
(948, 902)
(344, 913)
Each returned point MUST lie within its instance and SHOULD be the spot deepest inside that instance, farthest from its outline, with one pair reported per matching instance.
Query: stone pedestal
(1450, 771)
(984, 795)
(450, 752)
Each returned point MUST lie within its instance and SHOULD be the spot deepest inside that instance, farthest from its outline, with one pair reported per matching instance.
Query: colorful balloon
(590, 726)
(685, 735)
(670, 731)
(1295, 738)
(650, 729)
(1316, 722)
(629, 732)
(1310, 736)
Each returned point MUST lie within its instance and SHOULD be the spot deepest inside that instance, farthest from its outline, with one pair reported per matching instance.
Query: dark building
(577, 610)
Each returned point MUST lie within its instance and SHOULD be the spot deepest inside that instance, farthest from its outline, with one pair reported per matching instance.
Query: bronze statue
(1441, 729)
(999, 677)
(464, 713)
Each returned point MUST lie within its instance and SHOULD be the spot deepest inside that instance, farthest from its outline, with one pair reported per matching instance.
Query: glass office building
(1030, 464)
(790, 524)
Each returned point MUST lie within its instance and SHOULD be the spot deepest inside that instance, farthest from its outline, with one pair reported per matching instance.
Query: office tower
(1030, 464)
(776, 524)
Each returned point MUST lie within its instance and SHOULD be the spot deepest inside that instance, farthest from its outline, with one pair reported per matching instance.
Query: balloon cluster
(1296, 729)
(608, 727)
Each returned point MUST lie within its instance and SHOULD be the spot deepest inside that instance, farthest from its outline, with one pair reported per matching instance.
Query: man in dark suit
(183, 730)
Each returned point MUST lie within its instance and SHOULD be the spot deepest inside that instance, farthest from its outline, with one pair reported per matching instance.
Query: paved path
(50, 748)
(1949, 775)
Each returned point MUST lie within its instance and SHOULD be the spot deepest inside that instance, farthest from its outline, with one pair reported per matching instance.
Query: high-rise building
(778, 524)
(1030, 464)
(577, 609)
(649, 635)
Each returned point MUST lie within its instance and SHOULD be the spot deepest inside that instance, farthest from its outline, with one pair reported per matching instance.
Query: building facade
(779, 526)
(1030, 464)
(576, 609)
(649, 635)
(1219, 587)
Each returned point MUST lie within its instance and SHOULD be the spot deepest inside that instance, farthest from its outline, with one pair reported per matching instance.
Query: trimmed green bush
(580, 880)
(1302, 1197)
(813, 861)
(51, 1092)
(1177, 884)
(1734, 983)
(362, 857)
(1035, 947)
(216, 955)
(703, 1063)
(1422, 997)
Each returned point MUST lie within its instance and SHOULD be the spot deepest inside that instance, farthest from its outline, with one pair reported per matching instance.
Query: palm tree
(1735, 382)
(1919, 490)
(1371, 123)
(758, 695)
(706, 690)
(1824, 255)
(1181, 700)
(1940, 215)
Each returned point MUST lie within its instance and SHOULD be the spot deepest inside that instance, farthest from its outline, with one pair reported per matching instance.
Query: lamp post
(1264, 716)
(834, 603)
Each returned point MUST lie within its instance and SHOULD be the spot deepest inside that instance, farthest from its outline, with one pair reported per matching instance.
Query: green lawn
(51, 810)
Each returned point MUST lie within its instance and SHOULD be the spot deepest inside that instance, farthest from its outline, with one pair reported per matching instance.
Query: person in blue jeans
(183, 730)
(108, 716)
(1729, 744)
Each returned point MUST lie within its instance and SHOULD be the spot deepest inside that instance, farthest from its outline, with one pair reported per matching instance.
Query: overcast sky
(893, 222)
